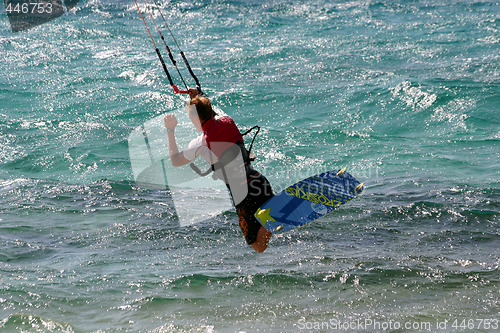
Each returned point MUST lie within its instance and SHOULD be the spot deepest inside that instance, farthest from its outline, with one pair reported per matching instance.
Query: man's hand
(170, 121)
(193, 93)
(176, 158)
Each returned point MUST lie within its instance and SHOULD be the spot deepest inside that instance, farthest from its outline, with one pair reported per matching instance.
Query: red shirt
(220, 133)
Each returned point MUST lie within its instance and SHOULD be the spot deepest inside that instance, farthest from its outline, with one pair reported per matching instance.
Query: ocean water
(405, 94)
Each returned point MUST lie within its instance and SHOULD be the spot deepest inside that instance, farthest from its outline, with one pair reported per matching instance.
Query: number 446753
(30, 8)
(473, 324)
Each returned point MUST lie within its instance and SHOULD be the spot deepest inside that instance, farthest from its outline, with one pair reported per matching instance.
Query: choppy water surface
(404, 94)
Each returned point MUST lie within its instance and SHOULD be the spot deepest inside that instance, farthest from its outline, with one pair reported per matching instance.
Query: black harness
(221, 170)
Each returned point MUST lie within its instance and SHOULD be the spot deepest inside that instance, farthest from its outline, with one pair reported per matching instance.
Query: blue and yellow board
(308, 200)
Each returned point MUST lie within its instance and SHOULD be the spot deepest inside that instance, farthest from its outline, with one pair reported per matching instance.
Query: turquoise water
(405, 94)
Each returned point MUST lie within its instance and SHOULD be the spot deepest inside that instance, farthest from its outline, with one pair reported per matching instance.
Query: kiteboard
(308, 200)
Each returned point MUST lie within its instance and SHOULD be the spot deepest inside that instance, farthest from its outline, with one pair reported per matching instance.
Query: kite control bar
(176, 89)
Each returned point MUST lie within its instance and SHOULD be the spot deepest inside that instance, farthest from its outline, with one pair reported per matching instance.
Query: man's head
(203, 108)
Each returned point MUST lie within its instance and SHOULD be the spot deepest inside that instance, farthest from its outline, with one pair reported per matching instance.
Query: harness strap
(227, 157)
(255, 135)
(230, 154)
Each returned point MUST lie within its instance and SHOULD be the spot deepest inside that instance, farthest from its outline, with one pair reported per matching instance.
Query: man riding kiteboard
(221, 145)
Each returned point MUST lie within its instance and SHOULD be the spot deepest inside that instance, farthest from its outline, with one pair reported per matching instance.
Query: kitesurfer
(220, 136)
